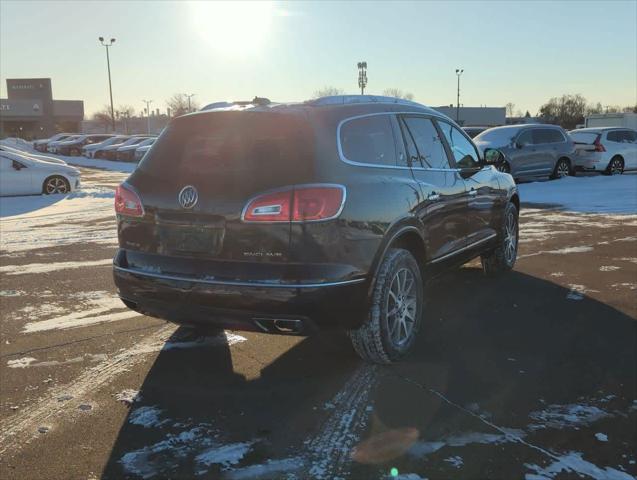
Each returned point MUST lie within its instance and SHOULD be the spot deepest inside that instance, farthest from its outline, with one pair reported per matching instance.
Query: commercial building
(29, 111)
(475, 116)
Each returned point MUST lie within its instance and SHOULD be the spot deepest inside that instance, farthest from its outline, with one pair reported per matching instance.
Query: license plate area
(191, 239)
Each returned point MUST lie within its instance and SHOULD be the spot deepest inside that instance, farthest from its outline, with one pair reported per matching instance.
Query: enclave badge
(188, 196)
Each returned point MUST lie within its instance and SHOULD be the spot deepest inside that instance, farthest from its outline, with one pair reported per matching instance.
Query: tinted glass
(622, 136)
(613, 136)
(369, 140)
(237, 153)
(525, 138)
(464, 152)
(631, 136)
(546, 135)
(422, 135)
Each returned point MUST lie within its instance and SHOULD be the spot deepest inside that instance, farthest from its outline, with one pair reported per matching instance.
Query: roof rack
(256, 101)
(351, 99)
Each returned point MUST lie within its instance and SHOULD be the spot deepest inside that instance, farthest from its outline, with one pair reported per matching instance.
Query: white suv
(611, 150)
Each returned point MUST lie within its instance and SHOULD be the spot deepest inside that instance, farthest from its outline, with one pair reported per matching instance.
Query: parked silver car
(531, 151)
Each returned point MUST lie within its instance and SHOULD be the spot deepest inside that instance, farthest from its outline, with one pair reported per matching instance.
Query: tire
(386, 337)
(615, 166)
(562, 168)
(56, 184)
(503, 167)
(502, 258)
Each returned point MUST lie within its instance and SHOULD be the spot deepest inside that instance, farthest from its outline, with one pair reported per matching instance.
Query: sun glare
(234, 28)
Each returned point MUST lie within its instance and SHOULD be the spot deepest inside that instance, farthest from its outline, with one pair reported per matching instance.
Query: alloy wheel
(563, 170)
(402, 304)
(616, 167)
(510, 238)
(56, 185)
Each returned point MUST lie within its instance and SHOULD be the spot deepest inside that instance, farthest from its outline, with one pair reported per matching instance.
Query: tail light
(598, 146)
(309, 203)
(127, 202)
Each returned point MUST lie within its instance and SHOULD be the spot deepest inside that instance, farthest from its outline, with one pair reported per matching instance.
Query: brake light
(297, 204)
(598, 146)
(127, 202)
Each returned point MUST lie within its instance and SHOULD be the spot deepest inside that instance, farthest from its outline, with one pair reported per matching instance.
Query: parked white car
(21, 175)
(611, 150)
(141, 151)
(36, 156)
(127, 153)
(41, 145)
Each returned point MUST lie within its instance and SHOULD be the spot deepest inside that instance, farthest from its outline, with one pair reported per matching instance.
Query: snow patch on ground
(608, 268)
(224, 455)
(455, 462)
(602, 437)
(51, 267)
(595, 194)
(11, 293)
(269, 469)
(128, 396)
(422, 448)
(573, 462)
(147, 417)
(98, 357)
(566, 416)
(21, 362)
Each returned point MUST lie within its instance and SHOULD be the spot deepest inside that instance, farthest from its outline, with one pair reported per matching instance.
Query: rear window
(233, 150)
(369, 140)
(547, 135)
(587, 138)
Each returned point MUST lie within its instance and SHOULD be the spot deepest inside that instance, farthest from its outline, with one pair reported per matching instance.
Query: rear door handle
(433, 197)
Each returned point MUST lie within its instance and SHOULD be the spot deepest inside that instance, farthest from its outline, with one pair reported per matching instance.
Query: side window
(525, 138)
(422, 136)
(630, 136)
(541, 136)
(369, 140)
(554, 136)
(614, 136)
(464, 152)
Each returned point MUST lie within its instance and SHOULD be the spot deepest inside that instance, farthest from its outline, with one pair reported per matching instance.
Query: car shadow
(18, 205)
(502, 347)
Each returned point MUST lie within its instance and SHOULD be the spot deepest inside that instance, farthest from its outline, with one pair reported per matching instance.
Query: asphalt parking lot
(530, 374)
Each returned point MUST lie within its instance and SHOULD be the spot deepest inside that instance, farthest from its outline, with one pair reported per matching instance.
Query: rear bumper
(589, 161)
(257, 305)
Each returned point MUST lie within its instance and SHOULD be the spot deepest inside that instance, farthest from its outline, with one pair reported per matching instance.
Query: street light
(110, 87)
(458, 73)
(148, 102)
(362, 76)
(189, 96)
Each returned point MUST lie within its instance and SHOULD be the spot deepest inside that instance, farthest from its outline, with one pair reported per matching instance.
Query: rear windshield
(584, 137)
(239, 149)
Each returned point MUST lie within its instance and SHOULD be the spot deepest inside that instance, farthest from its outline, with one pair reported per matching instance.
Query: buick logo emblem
(188, 196)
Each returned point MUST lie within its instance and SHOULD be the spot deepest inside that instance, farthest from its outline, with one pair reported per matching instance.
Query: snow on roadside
(594, 194)
(51, 267)
(31, 222)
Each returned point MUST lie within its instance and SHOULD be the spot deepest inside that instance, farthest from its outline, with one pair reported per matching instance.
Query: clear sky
(521, 52)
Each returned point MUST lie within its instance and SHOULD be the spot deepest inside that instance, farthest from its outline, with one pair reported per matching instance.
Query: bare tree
(398, 93)
(103, 117)
(510, 108)
(178, 104)
(567, 111)
(327, 91)
(125, 111)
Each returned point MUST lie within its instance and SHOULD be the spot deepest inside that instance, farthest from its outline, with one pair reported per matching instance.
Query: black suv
(74, 147)
(285, 218)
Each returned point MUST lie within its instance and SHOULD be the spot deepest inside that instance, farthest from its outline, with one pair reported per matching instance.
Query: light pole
(110, 87)
(189, 96)
(458, 73)
(362, 76)
(148, 102)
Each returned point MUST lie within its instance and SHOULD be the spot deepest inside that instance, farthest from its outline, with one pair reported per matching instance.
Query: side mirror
(493, 156)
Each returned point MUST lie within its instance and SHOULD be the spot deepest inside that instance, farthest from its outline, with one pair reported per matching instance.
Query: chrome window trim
(466, 247)
(257, 284)
(344, 159)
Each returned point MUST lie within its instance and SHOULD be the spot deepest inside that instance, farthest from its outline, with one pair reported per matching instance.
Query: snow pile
(594, 194)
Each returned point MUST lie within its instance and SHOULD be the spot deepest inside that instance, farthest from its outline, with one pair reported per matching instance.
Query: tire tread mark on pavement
(22, 427)
(330, 449)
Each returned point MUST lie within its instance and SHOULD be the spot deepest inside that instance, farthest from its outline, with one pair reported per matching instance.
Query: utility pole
(110, 87)
(458, 73)
(362, 76)
(148, 102)
(189, 96)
